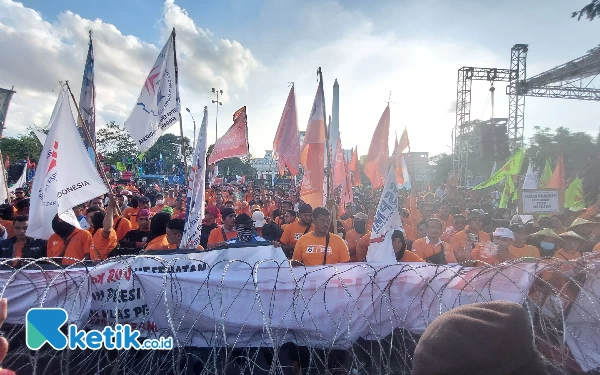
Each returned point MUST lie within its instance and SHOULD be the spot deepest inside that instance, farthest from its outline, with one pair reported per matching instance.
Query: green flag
(121, 167)
(510, 168)
(546, 174)
(509, 192)
(141, 156)
(574, 194)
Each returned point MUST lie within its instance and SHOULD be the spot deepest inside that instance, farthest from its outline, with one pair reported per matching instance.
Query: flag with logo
(21, 182)
(355, 167)
(376, 164)
(510, 168)
(574, 194)
(87, 103)
(312, 156)
(286, 145)
(158, 107)
(56, 188)
(546, 174)
(234, 143)
(387, 219)
(195, 193)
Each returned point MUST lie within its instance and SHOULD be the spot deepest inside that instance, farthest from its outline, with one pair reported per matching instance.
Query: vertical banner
(87, 104)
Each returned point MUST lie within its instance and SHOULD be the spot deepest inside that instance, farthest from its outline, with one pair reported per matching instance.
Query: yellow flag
(574, 195)
(546, 174)
(121, 167)
(510, 168)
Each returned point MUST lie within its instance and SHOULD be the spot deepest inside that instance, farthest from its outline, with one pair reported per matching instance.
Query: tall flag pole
(87, 103)
(286, 145)
(185, 168)
(195, 193)
(158, 106)
(328, 189)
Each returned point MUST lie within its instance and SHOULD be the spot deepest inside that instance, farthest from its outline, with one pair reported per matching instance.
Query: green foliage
(21, 147)
(590, 11)
(115, 143)
(237, 166)
(169, 145)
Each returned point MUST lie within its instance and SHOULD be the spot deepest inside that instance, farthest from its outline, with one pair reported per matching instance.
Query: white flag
(3, 187)
(21, 181)
(387, 219)
(157, 107)
(530, 182)
(65, 174)
(40, 136)
(195, 194)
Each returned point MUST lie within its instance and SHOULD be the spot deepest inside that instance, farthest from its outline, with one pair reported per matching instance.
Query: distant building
(266, 165)
(347, 154)
(302, 135)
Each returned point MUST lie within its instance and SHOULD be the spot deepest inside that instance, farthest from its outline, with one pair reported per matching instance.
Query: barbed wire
(234, 317)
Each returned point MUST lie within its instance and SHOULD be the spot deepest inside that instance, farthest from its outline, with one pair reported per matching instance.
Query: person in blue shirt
(244, 225)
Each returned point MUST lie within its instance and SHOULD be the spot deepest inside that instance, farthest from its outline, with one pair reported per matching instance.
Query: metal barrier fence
(235, 317)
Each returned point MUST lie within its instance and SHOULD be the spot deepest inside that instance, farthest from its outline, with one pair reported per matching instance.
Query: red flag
(339, 168)
(376, 166)
(557, 180)
(234, 143)
(397, 157)
(312, 156)
(286, 144)
(354, 167)
(404, 143)
(347, 195)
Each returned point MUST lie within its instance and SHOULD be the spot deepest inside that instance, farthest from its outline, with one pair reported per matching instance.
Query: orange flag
(286, 144)
(557, 180)
(397, 157)
(339, 168)
(312, 156)
(404, 143)
(354, 167)
(376, 166)
(234, 143)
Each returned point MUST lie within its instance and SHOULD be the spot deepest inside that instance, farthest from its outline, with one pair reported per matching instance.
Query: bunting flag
(510, 168)
(21, 182)
(354, 167)
(376, 164)
(312, 156)
(574, 194)
(234, 143)
(87, 104)
(398, 162)
(195, 193)
(56, 189)
(557, 180)
(546, 174)
(387, 219)
(286, 145)
(158, 106)
(404, 143)
(339, 166)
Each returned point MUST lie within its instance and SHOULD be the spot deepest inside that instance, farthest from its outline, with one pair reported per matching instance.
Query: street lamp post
(194, 121)
(218, 103)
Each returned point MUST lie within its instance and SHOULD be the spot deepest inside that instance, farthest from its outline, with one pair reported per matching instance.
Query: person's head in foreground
(491, 338)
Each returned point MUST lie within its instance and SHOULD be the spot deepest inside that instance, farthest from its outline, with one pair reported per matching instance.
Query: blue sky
(253, 48)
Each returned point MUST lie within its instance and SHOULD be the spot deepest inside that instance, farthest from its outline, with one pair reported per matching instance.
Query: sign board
(541, 201)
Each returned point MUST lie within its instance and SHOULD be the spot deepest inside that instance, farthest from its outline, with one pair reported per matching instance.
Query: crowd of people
(445, 227)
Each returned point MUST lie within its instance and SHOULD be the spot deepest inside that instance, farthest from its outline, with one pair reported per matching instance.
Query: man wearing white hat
(259, 221)
(496, 251)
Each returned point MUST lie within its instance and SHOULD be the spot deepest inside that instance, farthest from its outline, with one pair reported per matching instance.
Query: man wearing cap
(464, 242)
(584, 228)
(359, 228)
(294, 231)
(137, 238)
(496, 251)
(548, 241)
(431, 247)
(259, 221)
(519, 249)
(573, 247)
(244, 226)
(219, 236)
(143, 204)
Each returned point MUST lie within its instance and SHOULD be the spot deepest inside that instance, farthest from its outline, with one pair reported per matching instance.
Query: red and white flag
(354, 168)
(286, 144)
(312, 156)
(376, 166)
(234, 143)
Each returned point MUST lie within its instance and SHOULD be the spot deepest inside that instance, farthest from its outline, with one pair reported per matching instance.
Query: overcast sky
(252, 49)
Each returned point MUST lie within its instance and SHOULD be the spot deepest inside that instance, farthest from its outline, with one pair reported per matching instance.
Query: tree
(21, 147)
(114, 143)
(590, 11)
(236, 167)
(169, 146)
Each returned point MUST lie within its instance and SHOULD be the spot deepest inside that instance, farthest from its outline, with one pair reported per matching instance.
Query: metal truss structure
(572, 80)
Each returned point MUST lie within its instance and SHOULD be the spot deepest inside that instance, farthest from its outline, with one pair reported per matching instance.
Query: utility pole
(218, 103)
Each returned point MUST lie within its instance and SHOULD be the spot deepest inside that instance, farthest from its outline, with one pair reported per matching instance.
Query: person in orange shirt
(133, 209)
(68, 242)
(496, 251)
(362, 247)
(459, 223)
(143, 204)
(104, 237)
(21, 246)
(160, 204)
(409, 230)
(444, 215)
(121, 225)
(219, 236)
(320, 247)
(175, 229)
(285, 207)
(400, 249)
(547, 242)
(431, 247)
(464, 242)
(574, 246)
(237, 205)
(359, 229)
(519, 249)
(158, 232)
(294, 231)
(244, 209)
(179, 208)
(171, 199)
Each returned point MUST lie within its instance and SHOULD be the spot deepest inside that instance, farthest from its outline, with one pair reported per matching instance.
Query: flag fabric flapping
(234, 143)
(574, 194)
(546, 174)
(87, 104)
(21, 182)
(354, 167)
(158, 106)
(398, 162)
(5, 97)
(405, 176)
(387, 219)
(339, 166)
(3, 185)
(195, 193)
(557, 180)
(404, 143)
(508, 193)
(510, 168)
(312, 156)
(286, 145)
(376, 164)
(65, 175)
(531, 177)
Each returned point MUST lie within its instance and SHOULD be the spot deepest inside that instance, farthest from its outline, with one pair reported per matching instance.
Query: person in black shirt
(21, 246)
(208, 224)
(136, 239)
